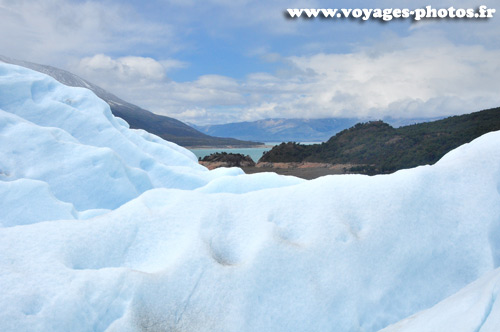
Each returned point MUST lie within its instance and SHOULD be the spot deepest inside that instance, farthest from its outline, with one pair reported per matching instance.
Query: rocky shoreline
(305, 170)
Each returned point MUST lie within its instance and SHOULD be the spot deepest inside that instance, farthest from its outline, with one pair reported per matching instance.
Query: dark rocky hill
(224, 159)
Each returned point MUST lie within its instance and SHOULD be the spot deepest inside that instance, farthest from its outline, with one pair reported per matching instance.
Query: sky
(220, 61)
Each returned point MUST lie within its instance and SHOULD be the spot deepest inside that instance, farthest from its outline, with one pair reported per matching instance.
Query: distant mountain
(279, 130)
(291, 130)
(376, 147)
(138, 118)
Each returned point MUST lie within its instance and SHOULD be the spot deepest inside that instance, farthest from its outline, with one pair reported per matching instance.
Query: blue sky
(219, 61)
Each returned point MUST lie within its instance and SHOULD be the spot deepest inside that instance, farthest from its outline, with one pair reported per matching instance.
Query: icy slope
(476, 308)
(68, 139)
(192, 250)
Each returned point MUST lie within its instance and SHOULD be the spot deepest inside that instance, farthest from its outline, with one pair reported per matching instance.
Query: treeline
(376, 148)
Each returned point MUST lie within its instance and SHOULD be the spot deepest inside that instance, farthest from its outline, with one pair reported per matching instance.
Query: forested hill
(376, 147)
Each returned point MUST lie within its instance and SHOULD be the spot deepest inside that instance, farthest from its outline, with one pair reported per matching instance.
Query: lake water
(254, 153)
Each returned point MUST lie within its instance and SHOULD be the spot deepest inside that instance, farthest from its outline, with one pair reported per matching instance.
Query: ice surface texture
(110, 229)
(475, 308)
(68, 138)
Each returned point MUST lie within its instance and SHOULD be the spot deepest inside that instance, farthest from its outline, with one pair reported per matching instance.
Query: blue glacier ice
(104, 228)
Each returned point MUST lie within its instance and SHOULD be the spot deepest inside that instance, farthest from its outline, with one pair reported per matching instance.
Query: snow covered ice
(475, 308)
(104, 228)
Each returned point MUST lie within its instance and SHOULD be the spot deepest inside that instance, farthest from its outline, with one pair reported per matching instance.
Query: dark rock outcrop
(224, 159)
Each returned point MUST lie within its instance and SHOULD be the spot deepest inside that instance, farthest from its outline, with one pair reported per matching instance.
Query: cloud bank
(410, 78)
(223, 61)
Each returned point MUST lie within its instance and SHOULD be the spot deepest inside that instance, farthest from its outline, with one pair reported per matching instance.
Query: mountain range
(296, 130)
(166, 127)
(279, 130)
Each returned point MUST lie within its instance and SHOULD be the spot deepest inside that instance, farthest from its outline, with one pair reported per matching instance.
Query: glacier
(105, 228)
(474, 308)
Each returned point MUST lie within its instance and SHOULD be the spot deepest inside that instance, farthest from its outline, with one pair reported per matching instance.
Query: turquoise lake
(254, 153)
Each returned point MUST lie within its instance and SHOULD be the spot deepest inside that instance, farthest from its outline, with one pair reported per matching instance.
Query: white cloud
(370, 83)
(438, 70)
(173, 64)
(415, 76)
(129, 70)
(52, 31)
